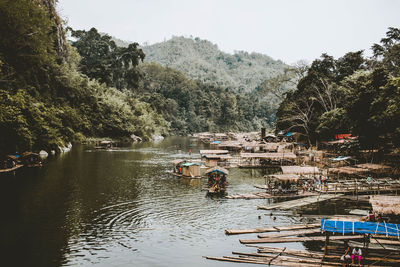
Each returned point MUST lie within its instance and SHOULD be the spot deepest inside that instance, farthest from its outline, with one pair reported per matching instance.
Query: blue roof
(216, 142)
(348, 227)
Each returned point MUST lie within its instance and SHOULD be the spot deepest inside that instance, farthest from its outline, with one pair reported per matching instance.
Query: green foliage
(192, 106)
(102, 59)
(349, 94)
(46, 101)
(202, 60)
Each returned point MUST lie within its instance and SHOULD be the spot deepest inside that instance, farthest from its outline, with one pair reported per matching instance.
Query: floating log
(299, 202)
(16, 167)
(271, 229)
(300, 232)
(297, 239)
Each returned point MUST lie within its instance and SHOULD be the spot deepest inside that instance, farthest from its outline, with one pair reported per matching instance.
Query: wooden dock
(300, 202)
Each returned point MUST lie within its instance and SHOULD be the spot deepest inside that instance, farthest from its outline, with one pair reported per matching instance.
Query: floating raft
(298, 239)
(271, 229)
(299, 202)
(16, 167)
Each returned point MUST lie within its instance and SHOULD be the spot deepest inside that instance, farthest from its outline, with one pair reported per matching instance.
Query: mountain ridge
(202, 60)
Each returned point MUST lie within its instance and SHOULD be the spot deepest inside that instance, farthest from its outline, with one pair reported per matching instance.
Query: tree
(102, 59)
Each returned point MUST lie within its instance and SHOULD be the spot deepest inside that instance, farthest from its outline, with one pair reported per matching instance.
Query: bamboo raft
(300, 202)
(271, 229)
(16, 167)
(298, 239)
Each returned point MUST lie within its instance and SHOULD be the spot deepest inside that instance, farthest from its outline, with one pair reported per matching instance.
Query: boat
(217, 181)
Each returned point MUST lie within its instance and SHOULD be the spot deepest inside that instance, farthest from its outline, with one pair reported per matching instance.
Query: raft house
(186, 168)
(217, 181)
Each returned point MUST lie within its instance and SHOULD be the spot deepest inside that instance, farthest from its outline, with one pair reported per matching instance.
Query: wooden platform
(271, 229)
(299, 202)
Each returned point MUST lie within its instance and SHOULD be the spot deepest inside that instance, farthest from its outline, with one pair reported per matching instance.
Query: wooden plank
(300, 232)
(271, 229)
(16, 167)
(275, 263)
(300, 202)
(297, 239)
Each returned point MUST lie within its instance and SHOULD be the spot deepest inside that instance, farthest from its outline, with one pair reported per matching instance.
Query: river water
(124, 208)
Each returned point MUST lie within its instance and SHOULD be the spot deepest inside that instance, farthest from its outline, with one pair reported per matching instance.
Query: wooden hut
(215, 160)
(191, 169)
(178, 166)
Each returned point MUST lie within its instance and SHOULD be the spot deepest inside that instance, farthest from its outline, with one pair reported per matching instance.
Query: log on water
(297, 239)
(300, 232)
(271, 229)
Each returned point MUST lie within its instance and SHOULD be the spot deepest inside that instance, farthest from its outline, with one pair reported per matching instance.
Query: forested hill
(202, 60)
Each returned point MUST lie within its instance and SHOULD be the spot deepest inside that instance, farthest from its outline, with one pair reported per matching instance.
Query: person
(370, 216)
(346, 256)
(356, 253)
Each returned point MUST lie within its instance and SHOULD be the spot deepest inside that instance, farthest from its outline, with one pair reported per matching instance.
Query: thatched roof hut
(300, 170)
(385, 204)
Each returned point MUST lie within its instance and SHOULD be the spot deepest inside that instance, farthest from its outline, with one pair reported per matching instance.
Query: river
(123, 208)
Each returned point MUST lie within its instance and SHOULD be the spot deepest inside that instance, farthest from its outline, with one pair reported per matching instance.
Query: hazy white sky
(288, 30)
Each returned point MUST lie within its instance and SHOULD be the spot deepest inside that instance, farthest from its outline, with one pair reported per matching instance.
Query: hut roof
(347, 170)
(221, 151)
(177, 161)
(213, 156)
(277, 156)
(104, 142)
(385, 204)
(285, 177)
(230, 144)
(270, 146)
(217, 169)
(371, 166)
(299, 169)
(187, 164)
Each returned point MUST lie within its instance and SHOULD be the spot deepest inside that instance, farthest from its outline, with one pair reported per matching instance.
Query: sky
(288, 30)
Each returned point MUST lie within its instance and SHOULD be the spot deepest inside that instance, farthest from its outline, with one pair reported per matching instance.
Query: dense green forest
(187, 105)
(45, 100)
(53, 91)
(202, 60)
(352, 94)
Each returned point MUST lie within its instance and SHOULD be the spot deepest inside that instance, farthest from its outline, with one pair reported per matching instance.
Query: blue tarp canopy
(349, 227)
(216, 142)
(289, 134)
